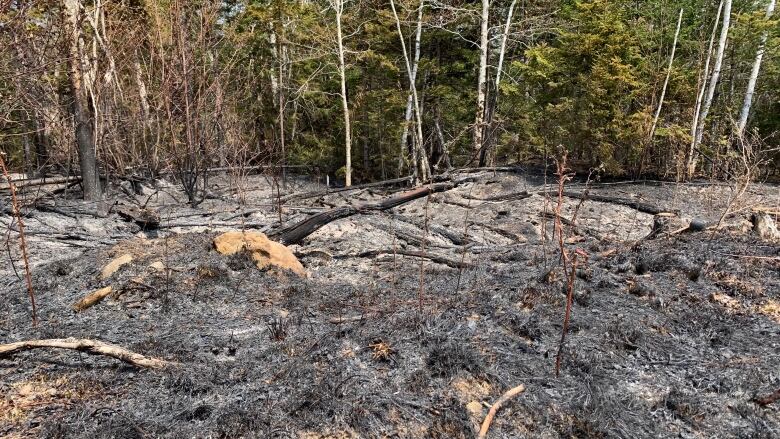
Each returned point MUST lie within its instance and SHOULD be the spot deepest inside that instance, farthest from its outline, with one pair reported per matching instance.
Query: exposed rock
(265, 253)
(764, 225)
(115, 265)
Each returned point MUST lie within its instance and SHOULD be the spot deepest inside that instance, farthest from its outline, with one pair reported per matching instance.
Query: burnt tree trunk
(84, 131)
(297, 232)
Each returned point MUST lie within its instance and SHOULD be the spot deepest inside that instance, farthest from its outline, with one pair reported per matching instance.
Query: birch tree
(751, 88)
(713, 84)
(479, 123)
(666, 81)
(338, 7)
(412, 80)
(490, 111)
(690, 156)
(81, 112)
(421, 166)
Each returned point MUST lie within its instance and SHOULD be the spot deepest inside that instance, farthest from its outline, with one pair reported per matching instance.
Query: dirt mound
(266, 253)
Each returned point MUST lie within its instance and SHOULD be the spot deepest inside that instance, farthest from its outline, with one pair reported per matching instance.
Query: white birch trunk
(668, 74)
(339, 7)
(420, 158)
(713, 85)
(410, 98)
(751, 88)
(504, 39)
(482, 77)
(690, 163)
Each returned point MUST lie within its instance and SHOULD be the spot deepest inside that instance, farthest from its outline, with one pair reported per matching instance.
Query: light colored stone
(765, 226)
(265, 253)
(475, 408)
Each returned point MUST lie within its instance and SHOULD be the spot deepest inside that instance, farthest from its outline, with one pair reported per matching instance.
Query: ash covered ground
(670, 337)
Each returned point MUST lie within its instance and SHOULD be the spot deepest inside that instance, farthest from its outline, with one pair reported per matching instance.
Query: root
(511, 393)
(92, 347)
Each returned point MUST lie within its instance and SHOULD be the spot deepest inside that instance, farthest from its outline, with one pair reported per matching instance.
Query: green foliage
(585, 74)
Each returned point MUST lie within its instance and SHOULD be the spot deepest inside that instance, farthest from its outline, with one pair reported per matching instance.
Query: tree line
(376, 89)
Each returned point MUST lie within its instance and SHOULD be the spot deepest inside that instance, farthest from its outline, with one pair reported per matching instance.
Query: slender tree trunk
(143, 95)
(410, 99)
(493, 104)
(690, 157)
(504, 39)
(280, 88)
(724, 33)
(666, 81)
(339, 7)
(420, 157)
(751, 88)
(84, 128)
(479, 123)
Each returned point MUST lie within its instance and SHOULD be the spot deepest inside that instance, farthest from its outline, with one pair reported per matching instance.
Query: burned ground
(670, 337)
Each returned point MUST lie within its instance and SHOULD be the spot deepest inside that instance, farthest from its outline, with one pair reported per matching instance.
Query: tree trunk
(491, 110)
(280, 87)
(666, 81)
(481, 81)
(84, 129)
(410, 98)
(420, 158)
(724, 33)
(751, 88)
(690, 157)
(339, 7)
(295, 233)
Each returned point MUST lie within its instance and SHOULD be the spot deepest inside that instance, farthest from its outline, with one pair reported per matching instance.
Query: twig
(92, 347)
(511, 393)
(768, 399)
(22, 242)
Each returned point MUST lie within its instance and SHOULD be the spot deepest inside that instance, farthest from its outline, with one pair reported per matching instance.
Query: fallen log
(636, 205)
(297, 232)
(92, 347)
(413, 253)
(23, 183)
(511, 196)
(314, 194)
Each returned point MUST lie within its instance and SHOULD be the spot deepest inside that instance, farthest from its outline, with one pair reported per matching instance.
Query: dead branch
(511, 196)
(511, 393)
(22, 242)
(315, 194)
(297, 232)
(636, 205)
(24, 183)
(768, 399)
(92, 347)
(92, 298)
(412, 253)
(572, 226)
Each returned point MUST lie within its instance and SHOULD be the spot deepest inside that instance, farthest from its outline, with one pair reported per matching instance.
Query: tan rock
(157, 266)
(265, 253)
(115, 265)
(475, 409)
